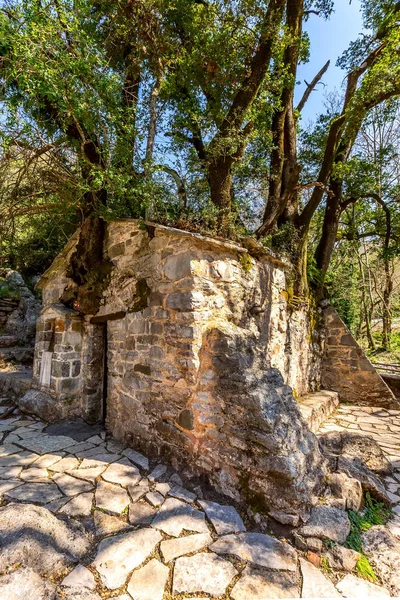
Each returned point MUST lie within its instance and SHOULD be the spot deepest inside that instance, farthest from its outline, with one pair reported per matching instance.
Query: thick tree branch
(311, 86)
(284, 170)
(334, 136)
(180, 184)
(153, 119)
(259, 65)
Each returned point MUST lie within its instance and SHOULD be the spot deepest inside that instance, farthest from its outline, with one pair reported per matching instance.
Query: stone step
(17, 354)
(317, 407)
(6, 341)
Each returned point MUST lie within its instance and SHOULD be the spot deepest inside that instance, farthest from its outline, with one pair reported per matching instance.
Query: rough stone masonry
(199, 355)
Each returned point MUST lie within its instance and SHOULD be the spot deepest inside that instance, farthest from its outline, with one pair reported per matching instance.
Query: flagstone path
(380, 424)
(126, 528)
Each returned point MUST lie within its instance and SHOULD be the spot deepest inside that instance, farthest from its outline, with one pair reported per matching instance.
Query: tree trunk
(88, 268)
(220, 180)
(283, 162)
(387, 292)
(330, 227)
(301, 289)
(387, 312)
(367, 314)
(221, 152)
(371, 301)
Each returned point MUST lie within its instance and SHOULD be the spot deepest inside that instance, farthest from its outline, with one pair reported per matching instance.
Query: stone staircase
(12, 352)
(317, 407)
(11, 349)
(7, 306)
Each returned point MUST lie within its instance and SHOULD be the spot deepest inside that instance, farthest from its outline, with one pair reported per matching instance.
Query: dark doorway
(105, 375)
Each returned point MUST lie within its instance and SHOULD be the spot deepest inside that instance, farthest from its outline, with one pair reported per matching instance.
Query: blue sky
(328, 41)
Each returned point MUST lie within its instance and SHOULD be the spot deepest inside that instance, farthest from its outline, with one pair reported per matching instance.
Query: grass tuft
(365, 570)
(374, 513)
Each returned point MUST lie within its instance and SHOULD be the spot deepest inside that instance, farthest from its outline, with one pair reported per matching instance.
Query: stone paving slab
(176, 516)
(45, 443)
(315, 584)
(36, 493)
(20, 459)
(79, 506)
(80, 577)
(179, 492)
(137, 492)
(89, 475)
(265, 585)
(141, 513)
(35, 474)
(122, 472)
(111, 497)
(71, 486)
(10, 484)
(171, 549)
(137, 458)
(225, 519)
(119, 555)
(68, 463)
(259, 549)
(151, 538)
(204, 572)
(148, 582)
(106, 524)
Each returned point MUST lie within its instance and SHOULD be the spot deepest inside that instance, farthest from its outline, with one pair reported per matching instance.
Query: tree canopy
(183, 112)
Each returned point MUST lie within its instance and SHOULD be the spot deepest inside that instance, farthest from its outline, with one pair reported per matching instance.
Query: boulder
(354, 445)
(33, 536)
(327, 522)
(355, 468)
(348, 488)
(22, 321)
(383, 550)
(335, 502)
(314, 544)
(355, 587)
(300, 542)
(25, 583)
(41, 404)
(342, 558)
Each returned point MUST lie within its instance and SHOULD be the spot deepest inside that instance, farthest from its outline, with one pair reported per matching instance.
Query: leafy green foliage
(6, 291)
(365, 570)
(325, 564)
(379, 354)
(124, 108)
(374, 513)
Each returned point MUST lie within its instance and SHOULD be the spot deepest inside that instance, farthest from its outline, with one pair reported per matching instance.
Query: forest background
(196, 114)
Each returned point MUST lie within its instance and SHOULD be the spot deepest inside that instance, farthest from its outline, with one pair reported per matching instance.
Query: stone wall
(199, 367)
(347, 370)
(203, 352)
(7, 306)
(76, 345)
(76, 351)
(189, 281)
